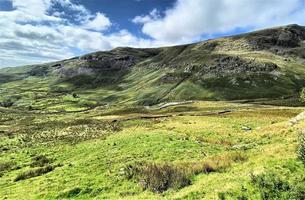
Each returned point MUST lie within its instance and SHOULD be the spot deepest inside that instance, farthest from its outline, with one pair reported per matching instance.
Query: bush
(271, 186)
(6, 166)
(34, 173)
(70, 193)
(299, 191)
(40, 161)
(7, 103)
(210, 166)
(218, 163)
(75, 95)
(301, 148)
(160, 177)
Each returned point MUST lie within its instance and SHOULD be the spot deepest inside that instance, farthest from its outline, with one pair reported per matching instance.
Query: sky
(37, 31)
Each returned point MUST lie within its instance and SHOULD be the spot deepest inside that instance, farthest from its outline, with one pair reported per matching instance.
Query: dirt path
(170, 115)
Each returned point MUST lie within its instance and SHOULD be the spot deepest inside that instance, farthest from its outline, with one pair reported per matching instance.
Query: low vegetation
(159, 177)
(301, 147)
(40, 161)
(269, 185)
(6, 166)
(34, 172)
(123, 155)
(203, 121)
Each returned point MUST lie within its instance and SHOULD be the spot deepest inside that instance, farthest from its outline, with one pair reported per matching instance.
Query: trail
(170, 115)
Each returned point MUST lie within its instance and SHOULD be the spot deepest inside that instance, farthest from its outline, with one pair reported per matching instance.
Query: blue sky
(35, 31)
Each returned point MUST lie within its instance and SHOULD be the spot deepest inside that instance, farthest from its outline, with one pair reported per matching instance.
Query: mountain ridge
(268, 63)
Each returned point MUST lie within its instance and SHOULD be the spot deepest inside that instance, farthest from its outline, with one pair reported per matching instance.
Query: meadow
(195, 150)
(209, 120)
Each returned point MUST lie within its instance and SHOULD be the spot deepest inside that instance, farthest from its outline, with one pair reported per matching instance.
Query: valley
(209, 120)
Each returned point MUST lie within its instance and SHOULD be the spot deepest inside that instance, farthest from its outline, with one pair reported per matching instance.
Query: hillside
(263, 64)
(219, 119)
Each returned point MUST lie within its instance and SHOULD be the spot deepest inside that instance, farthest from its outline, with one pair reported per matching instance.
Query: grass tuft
(34, 172)
(40, 161)
(160, 177)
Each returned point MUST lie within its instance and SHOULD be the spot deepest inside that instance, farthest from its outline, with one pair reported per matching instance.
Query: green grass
(80, 129)
(159, 75)
(91, 154)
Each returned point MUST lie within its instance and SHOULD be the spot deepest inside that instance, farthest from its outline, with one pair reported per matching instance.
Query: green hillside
(208, 120)
(263, 64)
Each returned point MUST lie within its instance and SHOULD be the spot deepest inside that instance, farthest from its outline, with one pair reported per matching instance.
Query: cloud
(99, 23)
(188, 20)
(153, 15)
(45, 30)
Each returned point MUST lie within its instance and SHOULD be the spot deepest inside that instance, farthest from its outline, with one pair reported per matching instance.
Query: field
(191, 150)
(209, 120)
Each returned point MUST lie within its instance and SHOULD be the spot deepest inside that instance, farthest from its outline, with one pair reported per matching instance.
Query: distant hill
(267, 64)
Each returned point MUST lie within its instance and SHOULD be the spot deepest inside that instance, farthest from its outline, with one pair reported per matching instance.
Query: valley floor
(196, 150)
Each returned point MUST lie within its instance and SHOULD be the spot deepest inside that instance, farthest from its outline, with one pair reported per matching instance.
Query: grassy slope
(91, 138)
(90, 168)
(44, 88)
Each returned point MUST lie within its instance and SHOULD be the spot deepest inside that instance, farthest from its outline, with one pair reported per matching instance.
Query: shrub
(70, 193)
(40, 161)
(238, 156)
(271, 186)
(298, 191)
(160, 177)
(7, 103)
(301, 148)
(34, 172)
(75, 95)
(6, 166)
(218, 163)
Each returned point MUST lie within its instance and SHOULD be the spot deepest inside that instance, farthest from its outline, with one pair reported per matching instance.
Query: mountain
(124, 124)
(266, 64)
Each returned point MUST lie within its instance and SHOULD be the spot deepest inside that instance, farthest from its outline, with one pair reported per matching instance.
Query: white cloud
(45, 30)
(188, 20)
(36, 31)
(153, 15)
(99, 23)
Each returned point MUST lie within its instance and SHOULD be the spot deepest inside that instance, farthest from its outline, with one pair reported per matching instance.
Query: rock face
(252, 61)
(117, 62)
(263, 64)
(71, 72)
(283, 37)
(170, 78)
(297, 119)
(117, 59)
(234, 65)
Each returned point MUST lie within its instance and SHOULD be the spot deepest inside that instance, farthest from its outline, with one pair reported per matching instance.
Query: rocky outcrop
(235, 65)
(71, 72)
(111, 63)
(297, 119)
(274, 39)
(117, 59)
